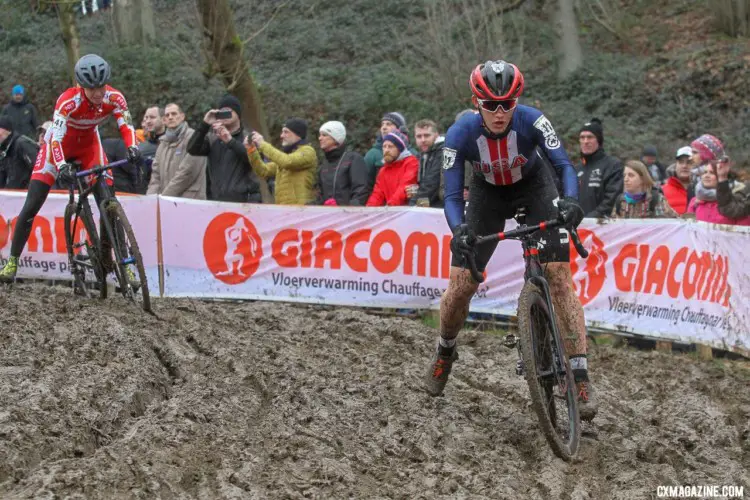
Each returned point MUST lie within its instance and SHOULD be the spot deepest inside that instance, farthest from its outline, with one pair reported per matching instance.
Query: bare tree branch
(267, 23)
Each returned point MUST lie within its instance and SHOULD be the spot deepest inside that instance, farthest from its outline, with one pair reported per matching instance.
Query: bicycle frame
(84, 192)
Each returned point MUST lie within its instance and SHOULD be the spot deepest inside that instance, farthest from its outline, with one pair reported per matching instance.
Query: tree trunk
(134, 21)
(69, 30)
(733, 16)
(572, 57)
(226, 48)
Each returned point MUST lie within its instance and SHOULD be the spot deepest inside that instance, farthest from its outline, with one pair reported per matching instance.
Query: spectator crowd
(221, 159)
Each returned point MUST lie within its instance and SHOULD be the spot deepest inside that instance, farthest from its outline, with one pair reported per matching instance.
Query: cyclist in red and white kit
(74, 135)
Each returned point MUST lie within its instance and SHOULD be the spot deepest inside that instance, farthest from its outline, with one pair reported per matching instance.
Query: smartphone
(223, 115)
(724, 159)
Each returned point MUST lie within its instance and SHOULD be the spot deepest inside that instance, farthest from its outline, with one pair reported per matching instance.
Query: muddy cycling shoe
(8, 273)
(135, 284)
(440, 369)
(587, 401)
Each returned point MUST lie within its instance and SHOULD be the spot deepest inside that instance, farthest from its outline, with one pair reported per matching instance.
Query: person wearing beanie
(706, 148)
(599, 175)
(656, 170)
(294, 165)
(342, 176)
(22, 113)
(399, 171)
(392, 120)
(229, 176)
(17, 156)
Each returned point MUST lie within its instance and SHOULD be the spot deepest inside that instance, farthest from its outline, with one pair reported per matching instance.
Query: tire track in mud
(270, 400)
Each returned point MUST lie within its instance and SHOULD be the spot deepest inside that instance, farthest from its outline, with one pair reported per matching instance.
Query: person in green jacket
(294, 165)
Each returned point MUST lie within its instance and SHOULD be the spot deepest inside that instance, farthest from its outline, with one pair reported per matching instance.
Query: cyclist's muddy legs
(454, 304)
(568, 309)
(35, 198)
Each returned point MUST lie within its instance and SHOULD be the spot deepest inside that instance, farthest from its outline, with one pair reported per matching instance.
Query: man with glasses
(500, 144)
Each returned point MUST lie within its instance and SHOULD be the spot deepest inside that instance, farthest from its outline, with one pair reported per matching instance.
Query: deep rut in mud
(270, 400)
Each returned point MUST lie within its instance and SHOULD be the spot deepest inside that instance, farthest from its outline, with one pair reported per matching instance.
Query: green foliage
(353, 60)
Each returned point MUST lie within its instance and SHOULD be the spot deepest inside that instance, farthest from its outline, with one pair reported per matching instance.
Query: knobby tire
(535, 331)
(91, 245)
(119, 226)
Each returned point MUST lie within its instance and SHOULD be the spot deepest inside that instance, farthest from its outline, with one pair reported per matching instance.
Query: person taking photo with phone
(733, 197)
(229, 176)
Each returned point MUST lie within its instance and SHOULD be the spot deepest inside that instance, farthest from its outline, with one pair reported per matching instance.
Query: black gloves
(134, 154)
(462, 243)
(570, 211)
(66, 175)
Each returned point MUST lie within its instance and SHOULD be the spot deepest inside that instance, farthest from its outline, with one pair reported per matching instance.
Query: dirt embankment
(264, 400)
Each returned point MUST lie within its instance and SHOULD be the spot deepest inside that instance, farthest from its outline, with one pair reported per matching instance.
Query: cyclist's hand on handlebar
(570, 211)
(134, 154)
(66, 175)
(463, 240)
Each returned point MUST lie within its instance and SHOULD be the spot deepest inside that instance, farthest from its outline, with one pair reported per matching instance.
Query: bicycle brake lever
(577, 243)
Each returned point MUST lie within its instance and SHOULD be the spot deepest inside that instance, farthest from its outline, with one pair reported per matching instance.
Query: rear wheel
(83, 250)
(128, 262)
(548, 374)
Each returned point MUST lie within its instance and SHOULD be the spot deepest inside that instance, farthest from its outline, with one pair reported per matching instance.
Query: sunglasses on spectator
(491, 106)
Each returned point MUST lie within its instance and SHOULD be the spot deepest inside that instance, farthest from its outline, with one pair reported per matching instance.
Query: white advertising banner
(664, 278)
(45, 255)
(673, 279)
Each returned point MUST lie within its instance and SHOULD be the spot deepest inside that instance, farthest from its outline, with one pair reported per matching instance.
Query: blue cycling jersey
(503, 159)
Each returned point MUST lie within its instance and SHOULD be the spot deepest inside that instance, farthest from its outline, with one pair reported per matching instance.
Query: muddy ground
(265, 400)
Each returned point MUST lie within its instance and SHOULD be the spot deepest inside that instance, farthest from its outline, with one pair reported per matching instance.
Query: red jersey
(76, 118)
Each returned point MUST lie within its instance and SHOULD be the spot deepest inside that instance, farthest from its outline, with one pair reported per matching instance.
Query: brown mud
(270, 400)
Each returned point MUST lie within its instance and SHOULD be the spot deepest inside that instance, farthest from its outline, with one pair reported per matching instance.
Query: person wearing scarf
(705, 205)
(640, 198)
(294, 165)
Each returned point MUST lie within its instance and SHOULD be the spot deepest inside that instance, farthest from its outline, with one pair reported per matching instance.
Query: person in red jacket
(679, 190)
(399, 172)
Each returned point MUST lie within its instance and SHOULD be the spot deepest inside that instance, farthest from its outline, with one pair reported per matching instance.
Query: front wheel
(127, 256)
(548, 373)
(83, 249)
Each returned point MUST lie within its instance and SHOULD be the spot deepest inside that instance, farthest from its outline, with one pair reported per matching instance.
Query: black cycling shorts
(490, 206)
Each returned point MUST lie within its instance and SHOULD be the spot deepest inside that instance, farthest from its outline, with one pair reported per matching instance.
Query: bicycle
(542, 357)
(86, 254)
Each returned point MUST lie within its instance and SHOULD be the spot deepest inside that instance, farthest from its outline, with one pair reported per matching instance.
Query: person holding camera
(733, 201)
(229, 176)
(294, 165)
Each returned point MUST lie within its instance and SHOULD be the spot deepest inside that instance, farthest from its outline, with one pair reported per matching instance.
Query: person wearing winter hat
(22, 113)
(656, 170)
(399, 171)
(342, 176)
(229, 176)
(392, 120)
(706, 148)
(294, 166)
(599, 175)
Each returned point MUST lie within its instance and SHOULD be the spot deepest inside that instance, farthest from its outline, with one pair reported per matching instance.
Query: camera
(223, 115)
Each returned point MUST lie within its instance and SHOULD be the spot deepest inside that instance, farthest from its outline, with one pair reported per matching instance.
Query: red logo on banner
(589, 280)
(232, 248)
